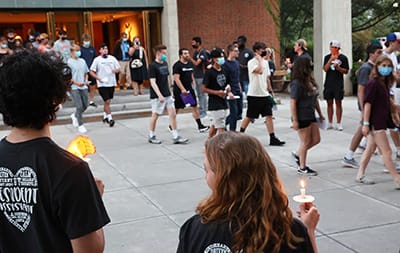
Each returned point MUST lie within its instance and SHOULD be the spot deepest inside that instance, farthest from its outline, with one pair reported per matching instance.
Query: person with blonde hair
(248, 209)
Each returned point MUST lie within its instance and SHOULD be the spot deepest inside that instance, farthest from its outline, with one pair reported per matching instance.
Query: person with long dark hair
(379, 115)
(248, 209)
(303, 104)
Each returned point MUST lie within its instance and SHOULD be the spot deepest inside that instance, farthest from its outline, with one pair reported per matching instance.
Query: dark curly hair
(32, 86)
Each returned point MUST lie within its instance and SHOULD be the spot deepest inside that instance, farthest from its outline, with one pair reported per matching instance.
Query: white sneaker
(82, 129)
(339, 127)
(329, 126)
(74, 120)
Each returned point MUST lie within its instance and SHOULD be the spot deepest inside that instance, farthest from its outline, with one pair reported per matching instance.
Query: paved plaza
(152, 189)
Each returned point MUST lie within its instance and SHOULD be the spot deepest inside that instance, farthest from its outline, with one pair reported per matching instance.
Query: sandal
(365, 180)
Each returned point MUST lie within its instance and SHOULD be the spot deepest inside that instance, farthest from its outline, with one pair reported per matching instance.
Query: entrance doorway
(103, 26)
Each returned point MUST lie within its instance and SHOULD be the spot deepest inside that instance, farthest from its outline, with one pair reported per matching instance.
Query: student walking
(379, 114)
(303, 104)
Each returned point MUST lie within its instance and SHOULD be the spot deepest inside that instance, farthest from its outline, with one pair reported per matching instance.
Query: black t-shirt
(185, 72)
(334, 78)
(196, 237)
(203, 55)
(216, 80)
(160, 72)
(305, 101)
(47, 197)
(245, 55)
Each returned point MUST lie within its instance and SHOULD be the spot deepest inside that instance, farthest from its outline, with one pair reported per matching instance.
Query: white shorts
(158, 107)
(217, 118)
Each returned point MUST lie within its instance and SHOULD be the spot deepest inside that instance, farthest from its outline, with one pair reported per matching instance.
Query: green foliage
(370, 19)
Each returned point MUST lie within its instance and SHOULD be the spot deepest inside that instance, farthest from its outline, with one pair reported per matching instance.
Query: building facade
(170, 22)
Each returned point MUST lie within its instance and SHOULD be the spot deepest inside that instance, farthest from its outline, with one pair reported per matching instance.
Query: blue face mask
(163, 57)
(86, 43)
(385, 71)
(78, 54)
(221, 61)
(3, 45)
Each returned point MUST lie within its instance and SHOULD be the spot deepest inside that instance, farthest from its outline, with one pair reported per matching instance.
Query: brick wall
(220, 22)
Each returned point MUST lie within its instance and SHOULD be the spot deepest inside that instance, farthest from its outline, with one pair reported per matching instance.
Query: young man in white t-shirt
(103, 69)
(259, 99)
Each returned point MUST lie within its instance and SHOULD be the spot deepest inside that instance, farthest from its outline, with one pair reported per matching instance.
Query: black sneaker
(112, 123)
(306, 171)
(203, 129)
(93, 104)
(276, 142)
(106, 121)
(296, 158)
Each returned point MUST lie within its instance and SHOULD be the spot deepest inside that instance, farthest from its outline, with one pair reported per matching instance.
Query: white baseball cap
(334, 43)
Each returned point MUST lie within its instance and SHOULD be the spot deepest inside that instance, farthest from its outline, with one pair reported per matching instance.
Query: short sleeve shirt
(103, 67)
(379, 98)
(200, 69)
(88, 54)
(185, 71)
(47, 197)
(258, 82)
(197, 237)
(159, 71)
(334, 79)
(215, 80)
(363, 73)
(305, 101)
(245, 56)
(79, 70)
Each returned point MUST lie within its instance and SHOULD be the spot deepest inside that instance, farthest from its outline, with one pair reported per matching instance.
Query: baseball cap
(44, 36)
(335, 43)
(393, 37)
(216, 53)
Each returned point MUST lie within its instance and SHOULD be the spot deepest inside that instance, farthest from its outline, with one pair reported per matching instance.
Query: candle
(81, 146)
(302, 189)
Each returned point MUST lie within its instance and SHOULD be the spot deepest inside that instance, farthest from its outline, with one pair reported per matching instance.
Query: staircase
(124, 105)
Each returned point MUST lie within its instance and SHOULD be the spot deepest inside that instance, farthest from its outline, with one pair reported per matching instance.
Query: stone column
(332, 21)
(170, 30)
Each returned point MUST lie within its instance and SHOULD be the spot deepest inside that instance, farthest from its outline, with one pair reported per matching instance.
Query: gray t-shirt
(363, 73)
(79, 69)
(305, 100)
(63, 47)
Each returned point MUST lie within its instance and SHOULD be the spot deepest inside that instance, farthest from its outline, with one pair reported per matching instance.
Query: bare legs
(309, 137)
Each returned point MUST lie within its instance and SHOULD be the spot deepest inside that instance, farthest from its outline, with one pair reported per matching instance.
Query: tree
(378, 17)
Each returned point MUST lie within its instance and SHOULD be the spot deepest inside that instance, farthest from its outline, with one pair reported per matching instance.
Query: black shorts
(257, 106)
(178, 100)
(92, 80)
(106, 93)
(306, 123)
(333, 93)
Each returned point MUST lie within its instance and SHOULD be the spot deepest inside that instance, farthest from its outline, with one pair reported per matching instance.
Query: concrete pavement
(152, 189)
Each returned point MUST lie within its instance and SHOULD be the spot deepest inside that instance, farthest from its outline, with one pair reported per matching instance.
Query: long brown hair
(247, 194)
(386, 81)
(302, 69)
